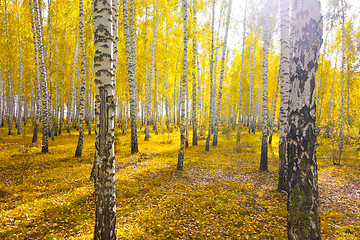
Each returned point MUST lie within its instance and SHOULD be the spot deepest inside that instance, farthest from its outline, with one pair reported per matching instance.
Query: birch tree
(37, 80)
(70, 103)
(20, 75)
(50, 106)
(129, 32)
(56, 96)
(272, 117)
(1, 99)
(149, 87)
(303, 197)
(82, 81)
(284, 92)
(341, 144)
(212, 91)
(180, 163)
(103, 172)
(222, 75)
(45, 112)
(238, 135)
(194, 93)
(265, 73)
(62, 109)
(9, 100)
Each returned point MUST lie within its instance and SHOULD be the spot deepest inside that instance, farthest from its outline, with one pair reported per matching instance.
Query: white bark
(45, 113)
(284, 92)
(180, 163)
(222, 75)
(103, 171)
(149, 90)
(82, 81)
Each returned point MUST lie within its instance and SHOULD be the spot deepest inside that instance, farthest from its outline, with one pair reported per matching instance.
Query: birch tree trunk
(62, 109)
(212, 91)
(238, 135)
(156, 108)
(222, 75)
(26, 102)
(56, 95)
(165, 89)
(70, 103)
(91, 98)
(75, 112)
(253, 113)
(272, 120)
(144, 82)
(187, 115)
(303, 198)
(82, 81)
(180, 163)
(50, 106)
(20, 77)
(250, 87)
(348, 118)
(341, 144)
(284, 93)
(9, 100)
(37, 84)
(1, 100)
(149, 90)
(103, 171)
(129, 32)
(45, 113)
(265, 110)
(200, 105)
(115, 18)
(194, 102)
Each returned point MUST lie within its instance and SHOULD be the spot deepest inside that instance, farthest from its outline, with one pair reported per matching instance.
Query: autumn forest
(191, 119)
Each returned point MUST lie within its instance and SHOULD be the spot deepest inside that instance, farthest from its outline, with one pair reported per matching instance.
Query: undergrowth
(220, 194)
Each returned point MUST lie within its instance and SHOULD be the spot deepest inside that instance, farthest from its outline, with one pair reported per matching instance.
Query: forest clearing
(191, 119)
(221, 194)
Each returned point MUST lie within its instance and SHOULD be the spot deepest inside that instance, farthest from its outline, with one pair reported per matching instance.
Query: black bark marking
(103, 126)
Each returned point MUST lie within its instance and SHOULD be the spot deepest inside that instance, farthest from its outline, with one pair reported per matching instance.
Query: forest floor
(220, 194)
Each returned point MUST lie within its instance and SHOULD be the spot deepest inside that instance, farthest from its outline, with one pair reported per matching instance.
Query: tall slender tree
(56, 96)
(149, 87)
(180, 163)
(1, 99)
(284, 92)
(194, 100)
(238, 135)
(9, 100)
(50, 104)
(129, 31)
(341, 143)
(20, 75)
(62, 107)
(45, 98)
(70, 104)
(265, 73)
(82, 81)
(212, 91)
(37, 80)
(273, 110)
(103, 172)
(303, 197)
(222, 75)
